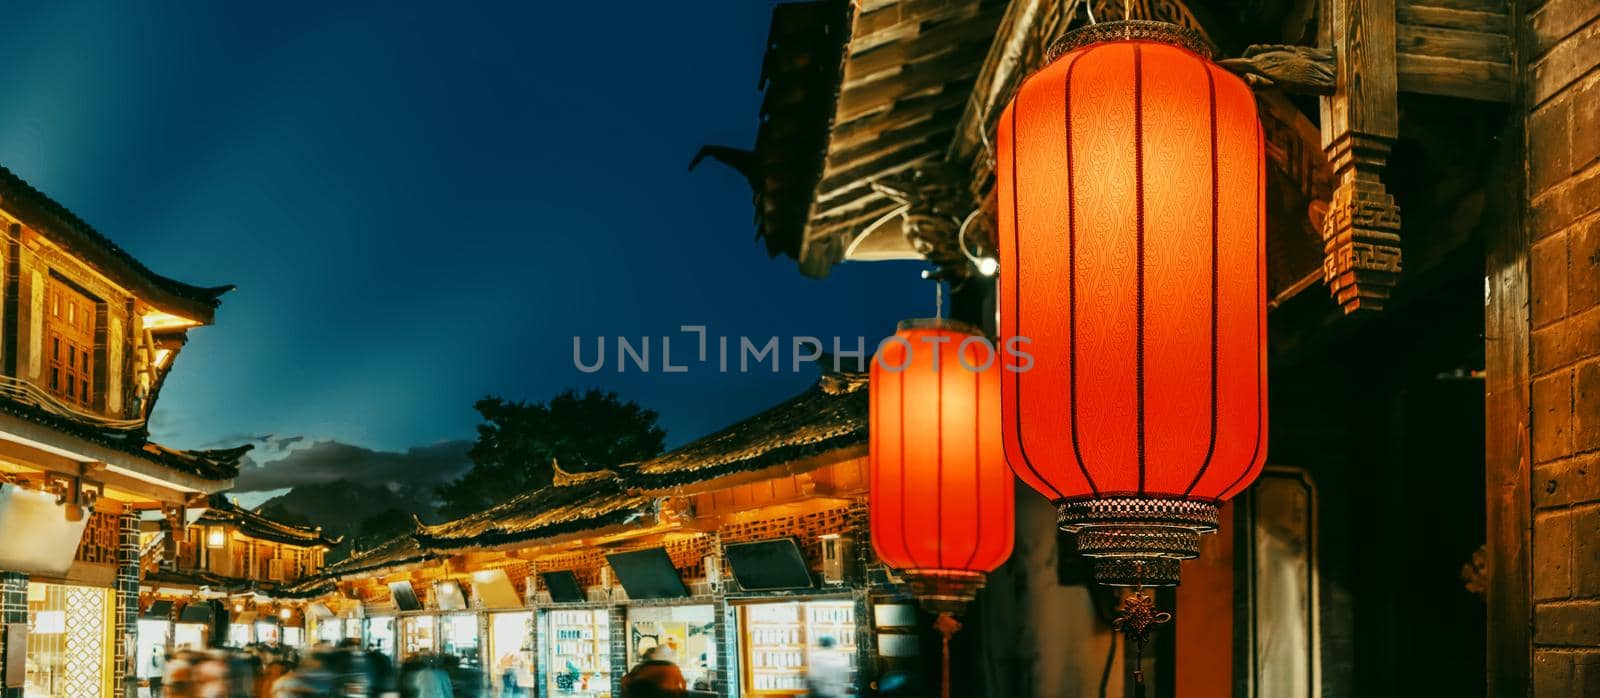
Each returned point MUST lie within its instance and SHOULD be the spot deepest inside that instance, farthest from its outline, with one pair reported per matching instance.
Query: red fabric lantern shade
(941, 493)
(1130, 188)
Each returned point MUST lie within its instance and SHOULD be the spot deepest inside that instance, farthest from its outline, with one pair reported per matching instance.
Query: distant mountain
(353, 509)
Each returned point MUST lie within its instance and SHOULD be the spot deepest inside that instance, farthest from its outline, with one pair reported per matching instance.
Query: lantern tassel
(1137, 617)
(947, 625)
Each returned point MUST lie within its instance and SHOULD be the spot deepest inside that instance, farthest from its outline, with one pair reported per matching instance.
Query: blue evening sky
(423, 205)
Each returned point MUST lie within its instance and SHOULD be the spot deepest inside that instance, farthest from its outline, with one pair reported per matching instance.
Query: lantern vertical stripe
(1240, 319)
(1178, 345)
(1104, 201)
(977, 456)
(1072, 279)
(1211, 445)
(1258, 457)
(1139, 270)
(938, 479)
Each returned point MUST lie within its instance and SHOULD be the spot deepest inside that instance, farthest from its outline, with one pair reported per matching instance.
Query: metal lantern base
(1135, 541)
(944, 591)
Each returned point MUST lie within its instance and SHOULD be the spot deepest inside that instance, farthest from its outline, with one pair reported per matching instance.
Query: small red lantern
(941, 494)
(1130, 188)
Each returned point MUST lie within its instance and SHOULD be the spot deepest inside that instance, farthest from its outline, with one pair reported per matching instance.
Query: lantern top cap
(1130, 30)
(938, 323)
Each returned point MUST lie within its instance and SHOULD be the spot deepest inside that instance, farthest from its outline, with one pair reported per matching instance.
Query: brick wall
(13, 609)
(1562, 55)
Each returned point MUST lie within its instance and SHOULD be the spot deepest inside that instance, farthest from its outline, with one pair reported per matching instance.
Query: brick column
(125, 631)
(13, 609)
(725, 643)
(619, 646)
(860, 524)
(1561, 60)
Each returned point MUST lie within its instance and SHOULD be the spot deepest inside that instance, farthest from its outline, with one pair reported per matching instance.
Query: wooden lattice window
(69, 344)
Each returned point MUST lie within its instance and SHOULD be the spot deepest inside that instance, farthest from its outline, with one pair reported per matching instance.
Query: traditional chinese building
(88, 335)
(232, 577)
(1429, 206)
(737, 551)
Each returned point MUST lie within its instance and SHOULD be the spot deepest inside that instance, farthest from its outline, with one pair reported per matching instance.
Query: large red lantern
(941, 494)
(1130, 190)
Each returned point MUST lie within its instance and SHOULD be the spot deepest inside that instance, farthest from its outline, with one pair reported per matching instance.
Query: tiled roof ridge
(9, 181)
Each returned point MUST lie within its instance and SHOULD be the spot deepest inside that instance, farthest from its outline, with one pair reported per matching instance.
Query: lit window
(71, 372)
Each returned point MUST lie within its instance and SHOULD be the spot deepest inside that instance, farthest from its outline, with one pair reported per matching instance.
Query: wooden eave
(788, 469)
(907, 71)
(58, 224)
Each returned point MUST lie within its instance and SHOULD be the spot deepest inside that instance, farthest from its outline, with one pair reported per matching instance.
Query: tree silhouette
(516, 443)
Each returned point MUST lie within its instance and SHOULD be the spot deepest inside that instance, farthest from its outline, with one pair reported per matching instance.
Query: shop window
(683, 635)
(69, 345)
(511, 652)
(69, 642)
(1279, 561)
(580, 653)
(783, 640)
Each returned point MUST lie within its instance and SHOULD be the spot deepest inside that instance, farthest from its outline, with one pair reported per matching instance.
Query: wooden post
(1361, 234)
(1508, 411)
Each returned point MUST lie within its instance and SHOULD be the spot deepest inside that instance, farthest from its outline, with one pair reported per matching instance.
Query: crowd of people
(347, 670)
(324, 671)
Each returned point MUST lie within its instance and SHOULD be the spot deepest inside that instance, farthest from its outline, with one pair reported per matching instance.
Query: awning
(245, 617)
(198, 612)
(159, 610)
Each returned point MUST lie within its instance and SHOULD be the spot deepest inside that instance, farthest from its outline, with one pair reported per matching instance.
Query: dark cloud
(324, 462)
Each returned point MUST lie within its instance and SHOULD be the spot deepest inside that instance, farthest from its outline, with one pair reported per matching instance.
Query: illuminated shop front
(268, 632)
(679, 634)
(458, 636)
(69, 641)
(578, 646)
(781, 640)
(380, 634)
(155, 635)
(330, 630)
(510, 651)
(417, 635)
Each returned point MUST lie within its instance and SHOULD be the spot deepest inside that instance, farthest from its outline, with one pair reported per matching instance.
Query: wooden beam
(1458, 44)
(1449, 77)
(1435, 15)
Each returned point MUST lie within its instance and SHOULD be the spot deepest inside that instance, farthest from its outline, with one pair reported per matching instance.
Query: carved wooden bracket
(1298, 69)
(1360, 119)
(936, 201)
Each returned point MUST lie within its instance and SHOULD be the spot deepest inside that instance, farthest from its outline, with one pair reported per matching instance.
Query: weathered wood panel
(1453, 43)
(1480, 80)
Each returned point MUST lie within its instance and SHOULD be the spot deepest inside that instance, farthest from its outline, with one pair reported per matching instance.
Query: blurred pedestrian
(381, 674)
(178, 681)
(422, 677)
(655, 677)
(828, 675)
(308, 680)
